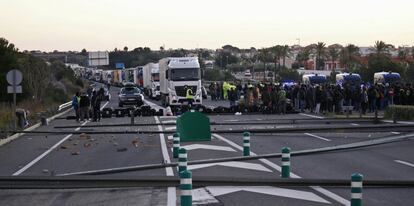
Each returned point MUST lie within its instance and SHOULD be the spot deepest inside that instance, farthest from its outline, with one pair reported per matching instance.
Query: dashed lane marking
(168, 128)
(319, 137)
(354, 124)
(169, 121)
(313, 116)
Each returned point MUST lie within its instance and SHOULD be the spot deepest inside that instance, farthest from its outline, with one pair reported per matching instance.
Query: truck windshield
(185, 74)
(156, 77)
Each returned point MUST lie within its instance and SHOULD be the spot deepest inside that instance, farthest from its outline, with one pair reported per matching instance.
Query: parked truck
(175, 74)
(151, 75)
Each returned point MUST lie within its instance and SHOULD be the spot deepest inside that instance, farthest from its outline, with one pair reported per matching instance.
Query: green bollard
(182, 160)
(176, 144)
(285, 162)
(246, 144)
(186, 186)
(356, 189)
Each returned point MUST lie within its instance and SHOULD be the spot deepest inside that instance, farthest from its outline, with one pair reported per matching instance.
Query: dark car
(130, 96)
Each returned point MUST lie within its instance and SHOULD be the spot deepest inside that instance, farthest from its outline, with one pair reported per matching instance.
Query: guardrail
(65, 105)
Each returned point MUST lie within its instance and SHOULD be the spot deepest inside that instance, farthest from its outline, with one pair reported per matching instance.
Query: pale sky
(103, 24)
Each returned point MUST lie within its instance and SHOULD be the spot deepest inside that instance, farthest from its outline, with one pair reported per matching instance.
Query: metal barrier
(65, 105)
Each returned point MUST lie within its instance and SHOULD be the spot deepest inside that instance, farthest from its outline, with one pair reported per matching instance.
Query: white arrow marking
(242, 165)
(209, 147)
(275, 191)
(169, 121)
(170, 128)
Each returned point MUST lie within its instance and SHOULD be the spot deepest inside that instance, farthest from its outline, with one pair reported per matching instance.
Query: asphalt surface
(46, 155)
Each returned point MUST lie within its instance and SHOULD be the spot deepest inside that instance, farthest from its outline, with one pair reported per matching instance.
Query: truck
(151, 80)
(314, 79)
(387, 78)
(175, 74)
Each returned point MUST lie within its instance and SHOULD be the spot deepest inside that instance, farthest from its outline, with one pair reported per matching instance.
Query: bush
(400, 112)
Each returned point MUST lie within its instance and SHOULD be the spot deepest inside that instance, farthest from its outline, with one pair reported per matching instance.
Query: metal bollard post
(131, 112)
(356, 189)
(176, 144)
(182, 160)
(186, 186)
(246, 144)
(285, 162)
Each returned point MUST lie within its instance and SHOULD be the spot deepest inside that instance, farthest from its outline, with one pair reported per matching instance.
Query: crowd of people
(313, 98)
(87, 104)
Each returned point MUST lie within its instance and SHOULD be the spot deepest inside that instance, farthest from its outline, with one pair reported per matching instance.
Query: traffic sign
(14, 89)
(14, 77)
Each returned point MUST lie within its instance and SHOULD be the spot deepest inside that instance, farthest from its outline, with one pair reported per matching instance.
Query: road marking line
(354, 124)
(398, 122)
(37, 159)
(170, 137)
(316, 136)
(164, 149)
(234, 164)
(169, 121)
(209, 147)
(167, 117)
(279, 169)
(105, 104)
(169, 128)
(171, 196)
(313, 116)
(404, 163)
(395, 133)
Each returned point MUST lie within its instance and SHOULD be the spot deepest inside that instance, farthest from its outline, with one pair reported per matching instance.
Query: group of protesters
(313, 98)
(87, 104)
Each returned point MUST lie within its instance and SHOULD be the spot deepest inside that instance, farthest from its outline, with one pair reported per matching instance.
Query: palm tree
(303, 56)
(285, 53)
(265, 56)
(381, 48)
(348, 55)
(333, 54)
(320, 53)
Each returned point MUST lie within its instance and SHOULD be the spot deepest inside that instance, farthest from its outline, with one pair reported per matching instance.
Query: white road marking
(153, 105)
(171, 191)
(168, 117)
(279, 169)
(105, 104)
(313, 116)
(169, 121)
(405, 163)
(164, 149)
(354, 124)
(202, 197)
(242, 165)
(399, 122)
(170, 137)
(395, 133)
(275, 191)
(169, 128)
(316, 136)
(37, 159)
(171, 196)
(209, 147)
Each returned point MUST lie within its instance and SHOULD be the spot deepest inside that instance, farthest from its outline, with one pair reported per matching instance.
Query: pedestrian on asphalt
(97, 105)
(282, 100)
(93, 102)
(84, 105)
(75, 105)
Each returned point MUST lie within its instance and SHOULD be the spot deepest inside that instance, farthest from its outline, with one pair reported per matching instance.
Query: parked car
(130, 96)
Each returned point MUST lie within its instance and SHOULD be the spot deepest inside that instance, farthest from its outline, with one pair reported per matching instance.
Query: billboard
(99, 58)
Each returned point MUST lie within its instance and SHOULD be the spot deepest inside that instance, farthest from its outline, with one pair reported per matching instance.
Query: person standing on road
(189, 95)
(97, 105)
(282, 100)
(84, 105)
(75, 105)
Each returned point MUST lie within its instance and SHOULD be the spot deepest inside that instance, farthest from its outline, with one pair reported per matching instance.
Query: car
(130, 96)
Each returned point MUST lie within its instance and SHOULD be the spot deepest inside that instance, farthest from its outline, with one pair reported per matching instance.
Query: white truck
(151, 75)
(175, 74)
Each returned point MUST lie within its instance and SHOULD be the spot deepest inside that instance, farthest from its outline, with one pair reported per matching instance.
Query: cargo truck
(175, 74)
(151, 74)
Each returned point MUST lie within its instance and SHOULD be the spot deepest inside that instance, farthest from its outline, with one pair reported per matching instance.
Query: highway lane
(375, 162)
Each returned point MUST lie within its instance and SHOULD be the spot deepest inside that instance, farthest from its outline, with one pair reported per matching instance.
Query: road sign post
(285, 162)
(14, 77)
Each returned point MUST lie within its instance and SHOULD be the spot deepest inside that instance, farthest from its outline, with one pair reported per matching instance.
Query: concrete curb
(17, 135)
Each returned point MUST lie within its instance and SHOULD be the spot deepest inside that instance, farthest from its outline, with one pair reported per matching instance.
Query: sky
(64, 25)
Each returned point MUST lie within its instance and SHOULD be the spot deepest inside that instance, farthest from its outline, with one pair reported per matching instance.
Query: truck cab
(175, 74)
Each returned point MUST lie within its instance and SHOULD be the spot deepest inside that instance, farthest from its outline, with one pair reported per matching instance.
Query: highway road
(51, 154)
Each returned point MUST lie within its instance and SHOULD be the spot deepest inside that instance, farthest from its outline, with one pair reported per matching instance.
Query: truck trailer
(175, 74)
(151, 75)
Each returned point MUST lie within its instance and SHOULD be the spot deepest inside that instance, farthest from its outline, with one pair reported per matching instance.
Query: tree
(333, 55)
(348, 56)
(125, 48)
(285, 53)
(84, 52)
(303, 57)
(320, 53)
(265, 55)
(381, 48)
